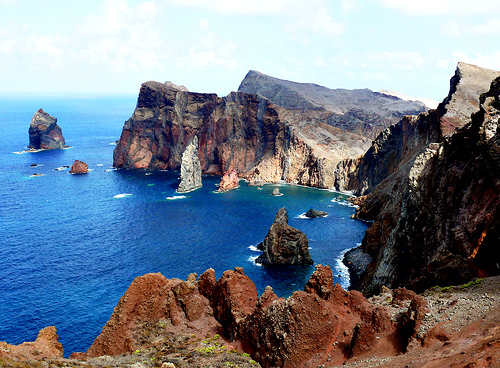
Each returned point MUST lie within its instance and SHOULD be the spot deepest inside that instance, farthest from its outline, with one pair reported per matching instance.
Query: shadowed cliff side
(436, 209)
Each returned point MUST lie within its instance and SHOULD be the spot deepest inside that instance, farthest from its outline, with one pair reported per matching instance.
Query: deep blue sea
(70, 245)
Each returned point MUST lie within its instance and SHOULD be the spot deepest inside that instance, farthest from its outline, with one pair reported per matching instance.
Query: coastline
(356, 262)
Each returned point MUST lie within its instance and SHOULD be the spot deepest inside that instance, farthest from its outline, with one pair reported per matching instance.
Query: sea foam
(176, 197)
(122, 195)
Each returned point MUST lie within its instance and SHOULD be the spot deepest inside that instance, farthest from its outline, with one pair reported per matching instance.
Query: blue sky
(112, 46)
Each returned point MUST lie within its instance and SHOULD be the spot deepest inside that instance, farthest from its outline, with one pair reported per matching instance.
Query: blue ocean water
(70, 245)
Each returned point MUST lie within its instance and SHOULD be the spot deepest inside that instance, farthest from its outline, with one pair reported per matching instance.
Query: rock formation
(260, 140)
(358, 111)
(276, 192)
(432, 191)
(190, 168)
(79, 167)
(199, 323)
(315, 213)
(229, 180)
(46, 346)
(284, 245)
(44, 132)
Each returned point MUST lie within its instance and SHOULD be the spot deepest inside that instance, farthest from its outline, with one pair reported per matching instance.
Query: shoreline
(356, 262)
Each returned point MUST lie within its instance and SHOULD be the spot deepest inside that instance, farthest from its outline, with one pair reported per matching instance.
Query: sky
(112, 46)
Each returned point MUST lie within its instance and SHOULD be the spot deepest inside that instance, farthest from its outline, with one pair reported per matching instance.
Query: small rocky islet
(426, 179)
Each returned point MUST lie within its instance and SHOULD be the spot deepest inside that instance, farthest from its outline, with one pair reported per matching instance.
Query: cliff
(44, 133)
(298, 142)
(358, 111)
(433, 192)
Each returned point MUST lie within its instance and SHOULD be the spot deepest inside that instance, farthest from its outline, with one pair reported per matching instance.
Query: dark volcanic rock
(315, 213)
(359, 111)
(436, 210)
(190, 168)
(44, 132)
(356, 261)
(283, 244)
(79, 167)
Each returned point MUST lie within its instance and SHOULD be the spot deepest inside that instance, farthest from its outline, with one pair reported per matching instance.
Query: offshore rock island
(428, 180)
(44, 133)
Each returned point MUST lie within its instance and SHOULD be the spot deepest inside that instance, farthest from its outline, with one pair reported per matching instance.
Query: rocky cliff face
(434, 202)
(397, 146)
(44, 133)
(252, 135)
(361, 111)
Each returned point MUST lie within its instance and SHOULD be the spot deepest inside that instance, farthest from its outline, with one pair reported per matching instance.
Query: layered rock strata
(190, 168)
(248, 133)
(433, 203)
(283, 244)
(359, 111)
(44, 133)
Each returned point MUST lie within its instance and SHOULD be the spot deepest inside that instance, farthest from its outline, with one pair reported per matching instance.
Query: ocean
(70, 245)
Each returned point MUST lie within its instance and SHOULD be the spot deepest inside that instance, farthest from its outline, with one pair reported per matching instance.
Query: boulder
(190, 168)
(314, 213)
(79, 167)
(44, 133)
(229, 180)
(276, 192)
(284, 245)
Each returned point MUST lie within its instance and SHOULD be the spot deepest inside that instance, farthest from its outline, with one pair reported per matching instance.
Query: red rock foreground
(322, 326)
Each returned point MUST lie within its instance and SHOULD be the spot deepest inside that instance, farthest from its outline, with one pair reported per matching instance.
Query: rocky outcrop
(439, 187)
(229, 180)
(283, 244)
(46, 346)
(360, 111)
(315, 213)
(396, 148)
(200, 322)
(190, 168)
(79, 167)
(154, 305)
(44, 133)
(252, 134)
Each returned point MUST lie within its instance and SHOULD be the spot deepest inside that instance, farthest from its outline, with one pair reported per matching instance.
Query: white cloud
(444, 7)
(239, 7)
(393, 60)
(203, 23)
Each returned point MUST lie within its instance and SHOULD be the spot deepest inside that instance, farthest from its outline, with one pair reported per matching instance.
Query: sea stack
(229, 180)
(79, 167)
(44, 132)
(284, 245)
(190, 168)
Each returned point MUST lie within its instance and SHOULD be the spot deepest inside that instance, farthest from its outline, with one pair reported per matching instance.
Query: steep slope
(435, 212)
(243, 132)
(359, 111)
